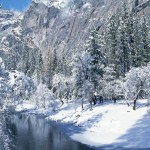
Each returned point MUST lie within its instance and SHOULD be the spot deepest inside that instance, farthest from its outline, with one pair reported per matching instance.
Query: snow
(15, 88)
(58, 3)
(110, 127)
(107, 124)
(42, 1)
(24, 106)
(87, 5)
(13, 75)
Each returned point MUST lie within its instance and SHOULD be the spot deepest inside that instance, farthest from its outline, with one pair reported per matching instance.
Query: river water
(24, 132)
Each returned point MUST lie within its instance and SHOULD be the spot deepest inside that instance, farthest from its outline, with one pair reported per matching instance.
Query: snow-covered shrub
(6, 92)
(87, 90)
(137, 80)
(118, 90)
(62, 87)
(15, 87)
(137, 83)
(23, 87)
(44, 97)
(109, 85)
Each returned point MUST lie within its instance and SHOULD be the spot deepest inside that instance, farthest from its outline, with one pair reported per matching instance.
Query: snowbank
(107, 124)
(25, 106)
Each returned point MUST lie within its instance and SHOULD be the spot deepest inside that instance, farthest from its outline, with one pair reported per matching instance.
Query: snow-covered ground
(107, 124)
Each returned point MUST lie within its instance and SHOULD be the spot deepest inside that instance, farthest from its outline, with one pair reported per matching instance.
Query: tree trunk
(115, 101)
(101, 99)
(135, 100)
(94, 100)
(44, 104)
(134, 105)
(82, 104)
(91, 105)
(62, 102)
(127, 103)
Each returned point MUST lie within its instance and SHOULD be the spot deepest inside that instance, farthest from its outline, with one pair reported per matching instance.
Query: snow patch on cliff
(56, 3)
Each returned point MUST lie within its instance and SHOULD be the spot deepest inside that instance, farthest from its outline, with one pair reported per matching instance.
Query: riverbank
(106, 125)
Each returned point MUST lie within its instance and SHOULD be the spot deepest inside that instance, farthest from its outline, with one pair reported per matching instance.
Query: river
(29, 132)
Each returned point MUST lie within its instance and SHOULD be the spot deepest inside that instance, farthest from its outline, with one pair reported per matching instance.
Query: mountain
(51, 25)
(64, 25)
(12, 42)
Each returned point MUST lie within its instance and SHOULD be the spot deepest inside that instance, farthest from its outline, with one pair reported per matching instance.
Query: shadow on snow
(135, 138)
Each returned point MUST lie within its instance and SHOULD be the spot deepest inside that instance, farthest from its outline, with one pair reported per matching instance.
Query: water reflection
(30, 133)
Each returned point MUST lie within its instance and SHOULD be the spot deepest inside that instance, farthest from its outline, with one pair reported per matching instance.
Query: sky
(15, 4)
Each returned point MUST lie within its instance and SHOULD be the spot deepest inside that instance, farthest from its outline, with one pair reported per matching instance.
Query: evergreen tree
(111, 43)
(78, 76)
(137, 42)
(54, 61)
(145, 41)
(40, 68)
(126, 41)
(108, 82)
(132, 58)
(25, 61)
(123, 40)
(94, 48)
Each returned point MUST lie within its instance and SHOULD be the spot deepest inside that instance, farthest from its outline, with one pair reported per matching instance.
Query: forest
(111, 65)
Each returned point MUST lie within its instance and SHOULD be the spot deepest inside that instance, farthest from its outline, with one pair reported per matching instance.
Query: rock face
(65, 27)
(12, 42)
(48, 25)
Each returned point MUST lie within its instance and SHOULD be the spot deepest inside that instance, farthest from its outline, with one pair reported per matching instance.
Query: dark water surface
(32, 133)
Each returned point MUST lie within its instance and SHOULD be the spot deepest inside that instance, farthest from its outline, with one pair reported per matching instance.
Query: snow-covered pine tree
(111, 43)
(132, 58)
(24, 67)
(108, 82)
(137, 41)
(145, 48)
(123, 41)
(40, 67)
(78, 77)
(94, 48)
(54, 61)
